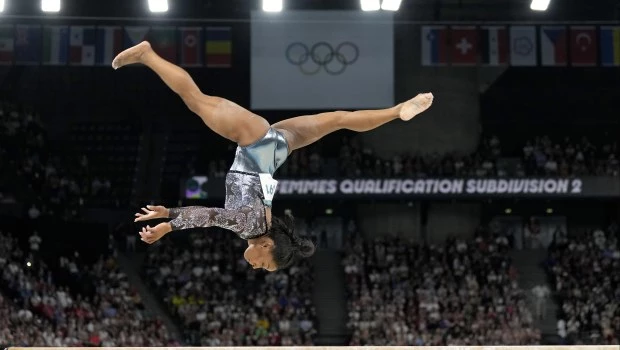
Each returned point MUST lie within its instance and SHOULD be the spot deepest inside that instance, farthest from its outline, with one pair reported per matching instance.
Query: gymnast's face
(258, 254)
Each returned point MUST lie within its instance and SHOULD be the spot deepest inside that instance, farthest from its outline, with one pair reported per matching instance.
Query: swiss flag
(583, 46)
(464, 45)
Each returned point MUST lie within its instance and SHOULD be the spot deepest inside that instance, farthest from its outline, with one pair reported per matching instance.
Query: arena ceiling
(416, 10)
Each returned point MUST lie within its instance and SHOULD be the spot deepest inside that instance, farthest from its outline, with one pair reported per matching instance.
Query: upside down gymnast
(262, 148)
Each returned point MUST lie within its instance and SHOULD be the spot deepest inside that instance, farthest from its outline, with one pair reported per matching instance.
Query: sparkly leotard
(244, 209)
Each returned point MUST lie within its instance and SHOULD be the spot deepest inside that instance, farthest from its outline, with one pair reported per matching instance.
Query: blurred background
(491, 219)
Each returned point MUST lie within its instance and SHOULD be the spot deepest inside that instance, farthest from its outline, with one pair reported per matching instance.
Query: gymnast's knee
(200, 103)
(341, 121)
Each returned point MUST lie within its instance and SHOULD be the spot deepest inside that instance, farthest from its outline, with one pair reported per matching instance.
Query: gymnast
(262, 149)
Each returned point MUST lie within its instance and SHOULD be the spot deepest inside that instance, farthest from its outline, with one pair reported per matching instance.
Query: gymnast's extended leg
(224, 117)
(304, 130)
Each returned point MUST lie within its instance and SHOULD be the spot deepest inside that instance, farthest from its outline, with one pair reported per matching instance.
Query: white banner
(269, 185)
(523, 46)
(587, 187)
(322, 60)
(431, 186)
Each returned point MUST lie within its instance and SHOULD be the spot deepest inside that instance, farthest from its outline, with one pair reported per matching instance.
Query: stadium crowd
(219, 301)
(545, 155)
(585, 272)
(71, 304)
(541, 155)
(461, 293)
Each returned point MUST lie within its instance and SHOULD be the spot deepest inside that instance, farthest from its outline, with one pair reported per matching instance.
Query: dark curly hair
(288, 248)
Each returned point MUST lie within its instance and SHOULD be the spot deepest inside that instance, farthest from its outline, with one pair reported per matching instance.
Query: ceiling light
(370, 5)
(390, 5)
(50, 5)
(272, 5)
(540, 5)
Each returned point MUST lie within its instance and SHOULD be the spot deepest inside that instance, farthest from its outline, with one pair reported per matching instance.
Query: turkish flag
(583, 46)
(464, 45)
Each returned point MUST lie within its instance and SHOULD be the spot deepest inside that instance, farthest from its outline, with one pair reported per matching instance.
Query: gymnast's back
(243, 182)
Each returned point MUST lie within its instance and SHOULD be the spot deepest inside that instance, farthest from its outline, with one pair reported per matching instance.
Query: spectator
(220, 302)
(541, 295)
(130, 243)
(33, 212)
(461, 293)
(49, 314)
(35, 242)
(586, 277)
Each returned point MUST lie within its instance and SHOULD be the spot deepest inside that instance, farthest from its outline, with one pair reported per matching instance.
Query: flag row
(98, 45)
(549, 46)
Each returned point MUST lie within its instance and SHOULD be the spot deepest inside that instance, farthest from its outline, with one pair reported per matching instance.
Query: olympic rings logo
(322, 55)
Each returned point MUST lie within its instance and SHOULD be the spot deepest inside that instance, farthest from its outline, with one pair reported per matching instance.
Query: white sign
(269, 185)
(431, 186)
(322, 60)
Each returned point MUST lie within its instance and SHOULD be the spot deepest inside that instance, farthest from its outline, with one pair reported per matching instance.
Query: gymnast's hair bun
(306, 248)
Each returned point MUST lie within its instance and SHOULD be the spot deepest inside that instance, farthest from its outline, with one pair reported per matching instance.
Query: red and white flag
(464, 45)
(583, 46)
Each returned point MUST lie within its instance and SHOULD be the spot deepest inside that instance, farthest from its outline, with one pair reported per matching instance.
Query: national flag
(6, 44)
(610, 46)
(464, 45)
(135, 35)
(218, 48)
(164, 42)
(28, 44)
(83, 45)
(553, 46)
(109, 44)
(523, 49)
(55, 45)
(494, 45)
(191, 43)
(434, 45)
(583, 46)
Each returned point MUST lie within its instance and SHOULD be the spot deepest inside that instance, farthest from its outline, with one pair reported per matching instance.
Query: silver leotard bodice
(263, 156)
(244, 209)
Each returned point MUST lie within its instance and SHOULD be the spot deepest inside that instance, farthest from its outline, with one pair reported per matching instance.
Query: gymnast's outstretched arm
(243, 220)
(192, 217)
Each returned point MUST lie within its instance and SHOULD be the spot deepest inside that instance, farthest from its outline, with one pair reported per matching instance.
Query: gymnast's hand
(151, 235)
(152, 212)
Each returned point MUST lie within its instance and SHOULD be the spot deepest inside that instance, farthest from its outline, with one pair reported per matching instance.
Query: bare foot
(131, 55)
(415, 106)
